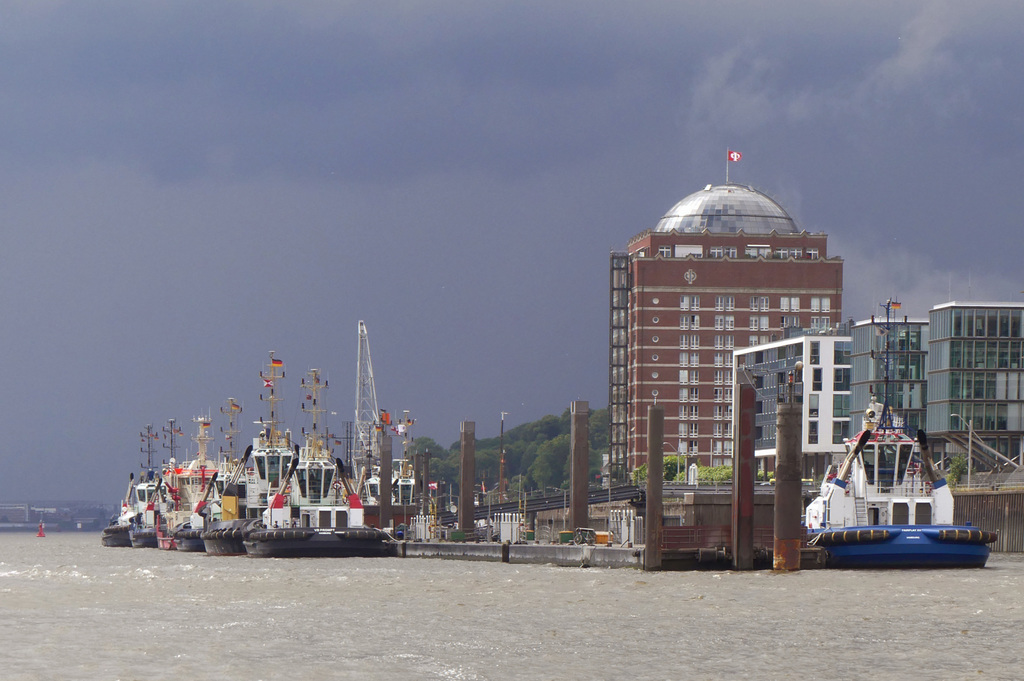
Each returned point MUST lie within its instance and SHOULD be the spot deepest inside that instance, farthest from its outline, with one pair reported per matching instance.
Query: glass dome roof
(727, 208)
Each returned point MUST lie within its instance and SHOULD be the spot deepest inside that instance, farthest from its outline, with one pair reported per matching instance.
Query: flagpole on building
(727, 166)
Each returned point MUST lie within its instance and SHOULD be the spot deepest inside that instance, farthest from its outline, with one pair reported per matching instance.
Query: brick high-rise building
(726, 267)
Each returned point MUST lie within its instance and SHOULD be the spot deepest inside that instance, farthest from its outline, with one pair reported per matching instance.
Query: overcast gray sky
(185, 186)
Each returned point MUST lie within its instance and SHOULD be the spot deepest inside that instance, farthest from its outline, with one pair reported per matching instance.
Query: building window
(730, 251)
(820, 323)
(689, 321)
(812, 253)
(812, 404)
(753, 340)
(812, 432)
(759, 303)
(719, 359)
(839, 432)
(821, 304)
(654, 339)
(790, 321)
(759, 323)
(689, 302)
(842, 380)
(665, 251)
(815, 352)
(816, 380)
(656, 320)
(716, 252)
(726, 303)
(694, 429)
(789, 303)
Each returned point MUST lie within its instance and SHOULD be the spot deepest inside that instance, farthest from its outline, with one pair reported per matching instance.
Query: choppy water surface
(71, 609)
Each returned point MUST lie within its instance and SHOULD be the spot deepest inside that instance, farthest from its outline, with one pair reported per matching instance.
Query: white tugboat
(190, 486)
(889, 506)
(314, 511)
(245, 494)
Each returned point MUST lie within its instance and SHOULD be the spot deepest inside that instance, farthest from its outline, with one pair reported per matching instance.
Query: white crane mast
(367, 414)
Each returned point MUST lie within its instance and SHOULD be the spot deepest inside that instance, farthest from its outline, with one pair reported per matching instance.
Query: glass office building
(976, 373)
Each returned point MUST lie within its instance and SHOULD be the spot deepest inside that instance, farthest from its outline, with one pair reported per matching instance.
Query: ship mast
(170, 431)
(886, 417)
(148, 438)
(231, 432)
(317, 438)
(202, 438)
(367, 443)
(271, 427)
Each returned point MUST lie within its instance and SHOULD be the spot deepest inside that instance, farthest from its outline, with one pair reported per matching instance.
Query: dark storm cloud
(188, 185)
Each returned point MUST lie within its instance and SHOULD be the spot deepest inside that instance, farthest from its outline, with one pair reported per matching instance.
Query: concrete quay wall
(568, 555)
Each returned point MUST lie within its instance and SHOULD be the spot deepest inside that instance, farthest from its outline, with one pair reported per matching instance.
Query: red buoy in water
(40, 533)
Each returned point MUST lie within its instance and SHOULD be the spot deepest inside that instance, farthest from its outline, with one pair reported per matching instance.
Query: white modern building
(823, 381)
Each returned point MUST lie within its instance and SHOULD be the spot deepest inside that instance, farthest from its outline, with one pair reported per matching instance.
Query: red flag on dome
(734, 155)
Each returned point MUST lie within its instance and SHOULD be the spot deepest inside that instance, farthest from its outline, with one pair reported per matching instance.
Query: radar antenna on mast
(367, 414)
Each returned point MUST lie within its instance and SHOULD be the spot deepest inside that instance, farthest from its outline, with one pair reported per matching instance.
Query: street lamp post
(501, 455)
(674, 449)
(970, 445)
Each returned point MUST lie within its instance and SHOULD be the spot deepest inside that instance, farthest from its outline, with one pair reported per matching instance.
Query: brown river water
(72, 609)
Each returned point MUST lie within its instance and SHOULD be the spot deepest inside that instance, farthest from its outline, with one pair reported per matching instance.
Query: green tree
(549, 468)
(957, 469)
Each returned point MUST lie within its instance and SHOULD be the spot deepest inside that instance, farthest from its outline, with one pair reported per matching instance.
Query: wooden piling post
(579, 453)
(384, 496)
(655, 482)
(743, 473)
(467, 478)
(788, 495)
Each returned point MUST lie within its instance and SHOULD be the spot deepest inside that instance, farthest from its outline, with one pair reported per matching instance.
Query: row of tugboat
(280, 499)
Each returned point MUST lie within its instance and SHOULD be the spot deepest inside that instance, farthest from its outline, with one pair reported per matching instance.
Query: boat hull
(190, 540)
(143, 538)
(308, 542)
(116, 536)
(225, 537)
(906, 546)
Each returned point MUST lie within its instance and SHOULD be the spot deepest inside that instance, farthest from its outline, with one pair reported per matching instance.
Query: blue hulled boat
(888, 506)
